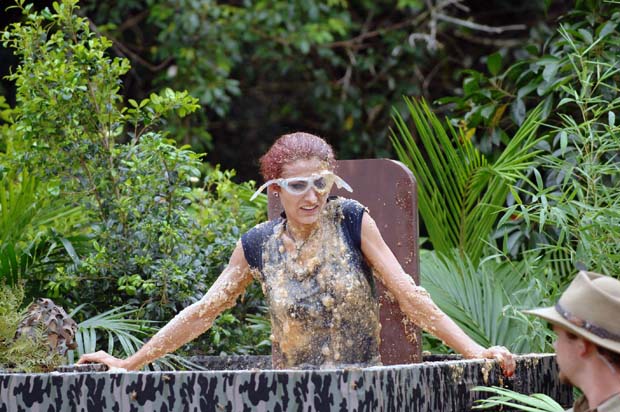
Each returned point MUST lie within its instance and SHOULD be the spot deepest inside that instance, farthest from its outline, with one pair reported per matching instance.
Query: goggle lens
(320, 183)
(299, 186)
(296, 186)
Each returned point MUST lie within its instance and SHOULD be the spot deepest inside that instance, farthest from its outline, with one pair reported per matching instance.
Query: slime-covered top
(324, 311)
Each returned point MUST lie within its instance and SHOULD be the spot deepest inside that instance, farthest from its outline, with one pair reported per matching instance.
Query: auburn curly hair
(291, 147)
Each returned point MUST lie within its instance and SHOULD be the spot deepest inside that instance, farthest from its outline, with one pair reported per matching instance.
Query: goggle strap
(341, 184)
(263, 187)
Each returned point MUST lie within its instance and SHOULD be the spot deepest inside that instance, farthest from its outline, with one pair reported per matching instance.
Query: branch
(479, 27)
(133, 21)
(455, 3)
(125, 51)
(486, 41)
(374, 33)
(279, 40)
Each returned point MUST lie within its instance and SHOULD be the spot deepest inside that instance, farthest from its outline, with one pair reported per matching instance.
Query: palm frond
(176, 362)
(459, 191)
(117, 326)
(113, 326)
(484, 299)
(27, 235)
(504, 397)
(18, 207)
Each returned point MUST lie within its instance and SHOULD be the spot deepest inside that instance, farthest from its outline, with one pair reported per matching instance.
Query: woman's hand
(503, 356)
(106, 359)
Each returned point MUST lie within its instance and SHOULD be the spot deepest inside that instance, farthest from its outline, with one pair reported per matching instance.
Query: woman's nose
(311, 195)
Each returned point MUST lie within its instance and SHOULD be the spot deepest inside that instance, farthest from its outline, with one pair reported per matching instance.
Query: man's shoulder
(610, 405)
(580, 405)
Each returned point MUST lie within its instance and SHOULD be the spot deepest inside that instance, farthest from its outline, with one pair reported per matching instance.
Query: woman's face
(305, 208)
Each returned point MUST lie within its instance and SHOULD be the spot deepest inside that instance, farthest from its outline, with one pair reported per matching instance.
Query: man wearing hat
(586, 320)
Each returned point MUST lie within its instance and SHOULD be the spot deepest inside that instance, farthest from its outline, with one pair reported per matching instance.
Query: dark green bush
(158, 236)
(558, 210)
(565, 205)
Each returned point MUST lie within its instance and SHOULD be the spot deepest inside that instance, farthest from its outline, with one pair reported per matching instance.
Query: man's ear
(585, 347)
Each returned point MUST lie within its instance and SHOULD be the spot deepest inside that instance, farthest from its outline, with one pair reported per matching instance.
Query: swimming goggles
(322, 183)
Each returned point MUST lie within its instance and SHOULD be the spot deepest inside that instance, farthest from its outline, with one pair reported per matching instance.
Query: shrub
(158, 237)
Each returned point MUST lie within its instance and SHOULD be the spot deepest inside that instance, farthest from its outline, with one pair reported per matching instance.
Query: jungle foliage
(567, 202)
(513, 218)
(102, 208)
(335, 68)
(106, 206)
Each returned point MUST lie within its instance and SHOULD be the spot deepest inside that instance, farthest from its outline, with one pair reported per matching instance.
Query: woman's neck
(300, 232)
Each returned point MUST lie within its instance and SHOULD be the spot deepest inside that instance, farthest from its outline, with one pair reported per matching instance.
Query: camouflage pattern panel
(430, 386)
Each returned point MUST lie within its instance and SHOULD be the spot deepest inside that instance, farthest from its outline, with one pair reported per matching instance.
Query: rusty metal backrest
(389, 191)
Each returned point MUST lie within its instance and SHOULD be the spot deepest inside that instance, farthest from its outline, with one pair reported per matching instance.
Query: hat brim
(551, 315)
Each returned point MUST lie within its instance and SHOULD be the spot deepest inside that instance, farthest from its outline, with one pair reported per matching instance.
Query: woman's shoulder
(254, 239)
(263, 229)
(347, 205)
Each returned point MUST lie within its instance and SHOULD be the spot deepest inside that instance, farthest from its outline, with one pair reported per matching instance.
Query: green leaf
(565, 100)
(586, 35)
(70, 250)
(607, 28)
(527, 89)
(487, 110)
(494, 63)
(517, 109)
(563, 141)
(304, 46)
(470, 86)
(117, 326)
(551, 68)
(478, 297)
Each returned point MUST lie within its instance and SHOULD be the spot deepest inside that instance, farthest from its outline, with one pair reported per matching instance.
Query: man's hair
(611, 356)
(570, 335)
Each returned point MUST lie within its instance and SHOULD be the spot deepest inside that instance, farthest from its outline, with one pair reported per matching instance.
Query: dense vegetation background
(335, 68)
(505, 113)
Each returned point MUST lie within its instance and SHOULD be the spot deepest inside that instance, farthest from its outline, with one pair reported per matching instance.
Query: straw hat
(590, 308)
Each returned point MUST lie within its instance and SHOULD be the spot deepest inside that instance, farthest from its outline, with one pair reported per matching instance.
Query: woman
(314, 265)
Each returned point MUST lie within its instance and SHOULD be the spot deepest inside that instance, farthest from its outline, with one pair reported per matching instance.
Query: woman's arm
(417, 304)
(191, 321)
